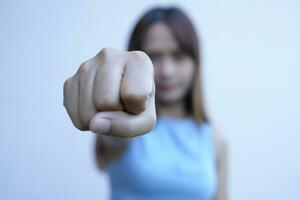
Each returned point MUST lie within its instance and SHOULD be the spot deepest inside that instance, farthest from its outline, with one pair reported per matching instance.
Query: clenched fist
(113, 94)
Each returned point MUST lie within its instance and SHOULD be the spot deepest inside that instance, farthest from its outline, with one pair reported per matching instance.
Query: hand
(113, 93)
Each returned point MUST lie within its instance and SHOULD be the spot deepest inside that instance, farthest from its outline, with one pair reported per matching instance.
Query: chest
(168, 165)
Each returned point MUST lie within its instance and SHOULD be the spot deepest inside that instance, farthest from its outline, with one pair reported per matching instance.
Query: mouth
(166, 87)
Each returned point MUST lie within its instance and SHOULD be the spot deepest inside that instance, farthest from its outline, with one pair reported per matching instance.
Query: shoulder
(219, 142)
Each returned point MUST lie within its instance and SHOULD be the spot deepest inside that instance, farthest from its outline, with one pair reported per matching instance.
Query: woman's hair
(186, 36)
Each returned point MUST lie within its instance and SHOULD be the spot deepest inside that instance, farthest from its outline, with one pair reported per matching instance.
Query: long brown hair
(186, 36)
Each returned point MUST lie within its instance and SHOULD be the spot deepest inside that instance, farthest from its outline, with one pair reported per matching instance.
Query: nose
(167, 68)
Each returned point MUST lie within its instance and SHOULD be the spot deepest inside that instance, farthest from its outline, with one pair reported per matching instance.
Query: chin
(169, 99)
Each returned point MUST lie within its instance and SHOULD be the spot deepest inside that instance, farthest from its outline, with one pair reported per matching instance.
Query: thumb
(123, 124)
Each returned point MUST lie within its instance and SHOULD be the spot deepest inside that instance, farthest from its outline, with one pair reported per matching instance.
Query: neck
(172, 110)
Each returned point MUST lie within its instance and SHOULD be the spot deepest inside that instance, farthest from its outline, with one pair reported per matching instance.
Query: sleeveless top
(176, 160)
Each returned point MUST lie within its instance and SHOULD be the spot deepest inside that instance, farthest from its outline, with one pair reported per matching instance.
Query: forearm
(109, 148)
(222, 172)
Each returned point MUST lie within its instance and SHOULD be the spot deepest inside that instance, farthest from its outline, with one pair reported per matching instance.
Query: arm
(221, 153)
(109, 148)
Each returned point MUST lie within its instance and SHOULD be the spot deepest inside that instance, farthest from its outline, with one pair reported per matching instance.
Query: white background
(251, 75)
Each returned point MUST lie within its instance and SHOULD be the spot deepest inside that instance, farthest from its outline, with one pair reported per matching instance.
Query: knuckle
(66, 90)
(104, 51)
(142, 59)
(84, 68)
(106, 54)
(139, 55)
(66, 85)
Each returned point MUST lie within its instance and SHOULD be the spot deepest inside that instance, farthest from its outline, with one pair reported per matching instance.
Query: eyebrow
(176, 51)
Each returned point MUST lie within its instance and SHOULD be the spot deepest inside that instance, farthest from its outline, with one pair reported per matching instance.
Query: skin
(113, 94)
(174, 70)
(221, 153)
(119, 87)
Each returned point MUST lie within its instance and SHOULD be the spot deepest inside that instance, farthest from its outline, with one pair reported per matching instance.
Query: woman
(181, 158)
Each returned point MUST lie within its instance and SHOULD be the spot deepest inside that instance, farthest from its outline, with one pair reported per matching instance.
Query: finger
(71, 101)
(86, 107)
(122, 124)
(137, 83)
(106, 94)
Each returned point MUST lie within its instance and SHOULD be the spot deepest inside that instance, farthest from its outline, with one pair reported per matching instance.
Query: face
(174, 69)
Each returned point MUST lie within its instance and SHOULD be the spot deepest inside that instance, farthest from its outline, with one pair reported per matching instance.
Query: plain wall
(252, 90)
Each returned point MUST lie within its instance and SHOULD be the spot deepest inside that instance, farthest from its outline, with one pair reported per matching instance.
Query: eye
(179, 56)
(155, 57)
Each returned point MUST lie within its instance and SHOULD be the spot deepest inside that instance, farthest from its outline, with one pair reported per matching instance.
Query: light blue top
(176, 161)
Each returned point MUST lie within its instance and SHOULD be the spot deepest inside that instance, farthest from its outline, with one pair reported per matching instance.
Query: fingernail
(99, 125)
